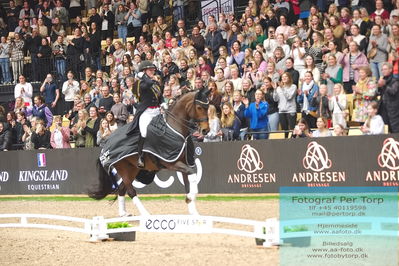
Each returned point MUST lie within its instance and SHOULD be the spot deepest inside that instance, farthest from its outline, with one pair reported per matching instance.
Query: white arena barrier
(191, 224)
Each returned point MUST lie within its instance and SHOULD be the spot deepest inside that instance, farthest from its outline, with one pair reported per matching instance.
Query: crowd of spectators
(311, 68)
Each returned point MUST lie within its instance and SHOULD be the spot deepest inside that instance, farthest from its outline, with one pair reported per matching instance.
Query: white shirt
(26, 95)
(104, 25)
(376, 125)
(70, 90)
(58, 139)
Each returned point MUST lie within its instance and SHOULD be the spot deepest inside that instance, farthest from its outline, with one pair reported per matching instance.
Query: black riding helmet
(146, 65)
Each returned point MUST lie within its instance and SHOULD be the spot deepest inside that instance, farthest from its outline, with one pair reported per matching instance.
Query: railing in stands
(210, 9)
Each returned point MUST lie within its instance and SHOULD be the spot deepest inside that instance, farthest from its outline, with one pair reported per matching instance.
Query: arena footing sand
(51, 247)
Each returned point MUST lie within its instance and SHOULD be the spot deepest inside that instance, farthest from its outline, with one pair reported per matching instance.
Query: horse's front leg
(191, 194)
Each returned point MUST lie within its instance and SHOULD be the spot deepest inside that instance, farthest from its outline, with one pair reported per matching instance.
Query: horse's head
(201, 104)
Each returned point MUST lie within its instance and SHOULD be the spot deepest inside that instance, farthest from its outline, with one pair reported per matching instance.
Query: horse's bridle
(204, 105)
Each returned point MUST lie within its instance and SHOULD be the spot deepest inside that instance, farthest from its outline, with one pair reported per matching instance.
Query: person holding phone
(51, 93)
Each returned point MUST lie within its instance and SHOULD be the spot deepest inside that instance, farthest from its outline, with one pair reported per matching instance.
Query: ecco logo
(160, 224)
(249, 160)
(316, 158)
(389, 156)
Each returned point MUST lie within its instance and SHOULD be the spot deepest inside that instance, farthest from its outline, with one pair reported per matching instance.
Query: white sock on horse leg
(192, 209)
(140, 206)
(122, 206)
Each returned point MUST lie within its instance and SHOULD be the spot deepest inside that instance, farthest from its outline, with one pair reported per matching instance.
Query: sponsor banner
(223, 167)
(175, 224)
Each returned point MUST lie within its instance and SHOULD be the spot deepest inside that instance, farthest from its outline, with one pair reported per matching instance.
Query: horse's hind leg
(136, 201)
(121, 201)
(191, 194)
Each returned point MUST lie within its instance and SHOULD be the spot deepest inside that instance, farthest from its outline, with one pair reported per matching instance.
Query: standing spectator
(59, 138)
(306, 93)
(59, 48)
(41, 111)
(70, 88)
(119, 110)
(321, 102)
(17, 56)
(61, 13)
(155, 9)
(379, 11)
(46, 14)
(108, 23)
(95, 17)
(41, 137)
(143, 6)
(364, 93)
(351, 63)
(230, 123)
(95, 46)
(338, 105)
(5, 60)
(160, 27)
(91, 127)
(106, 101)
(121, 22)
(388, 88)
(134, 24)
(32, 43)
(374, 124)
(333, 74)
(74, 53)
(272, 112)
(285, 96)
(214, 39)
(74, 8)
(5, 138)
(379, 44)
(25, 90)
(44, 59)
(51, 93)
(78, 129)
(26, 12)
(12, 16)
(257, 114)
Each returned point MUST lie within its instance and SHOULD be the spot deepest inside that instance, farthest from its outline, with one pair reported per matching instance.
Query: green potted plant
(301, 241)
(121, 236)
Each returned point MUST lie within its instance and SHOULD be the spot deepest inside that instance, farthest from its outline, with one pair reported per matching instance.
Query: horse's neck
(178, 118)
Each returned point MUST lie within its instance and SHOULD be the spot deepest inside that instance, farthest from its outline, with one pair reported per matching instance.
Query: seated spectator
(257, 114)
(109, 116)
(374, 124)
(322, 128)
(90, 127)
(41, 111)
(301, 130)
(214, 134)
(19, 105)
(5, 138)
(103, 133)
(41, 136)
(339, 131)
(60, 135)
(230, 123)
(27, 135)
(214, 97)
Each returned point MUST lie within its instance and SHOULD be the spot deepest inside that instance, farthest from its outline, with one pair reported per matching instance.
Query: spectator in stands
(378, 43)
(19, 105)
(214, 39)
(374, 124)
(388, 88)
(214, 134)
(17, 56)
(78, 129)
(12, 16)
(108, 22)
(60, 135)
(106, 101)
(25, 90)
(26, 12)
(59, 48)
(272, 112)
(257, 114)
(230, 123)
(44, 59)
(285, 96)
(91, 126)
(109, 116)
(351, 63)
(51, 93)
(41, 136)
(70, 88)
(103, 133)
(5, 60)
(75, 52)
(41, 111)
(61, 13)
(5, 138)
(121, 22)
(332, 74)
(134, 24)
(43, 30)
(364, 92)
(306, 93)
(322, 129)
(338, 104)
(301, 130)
(321, 102)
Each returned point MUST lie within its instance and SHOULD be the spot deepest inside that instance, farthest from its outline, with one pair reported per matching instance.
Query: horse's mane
(180, 97)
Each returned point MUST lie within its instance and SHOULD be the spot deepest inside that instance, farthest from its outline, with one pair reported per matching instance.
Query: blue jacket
(258, 117)
(312, 91)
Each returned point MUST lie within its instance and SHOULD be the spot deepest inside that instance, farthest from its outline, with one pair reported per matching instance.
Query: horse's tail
(105, 185)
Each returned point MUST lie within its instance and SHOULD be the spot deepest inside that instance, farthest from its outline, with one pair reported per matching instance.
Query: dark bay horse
(190, 106)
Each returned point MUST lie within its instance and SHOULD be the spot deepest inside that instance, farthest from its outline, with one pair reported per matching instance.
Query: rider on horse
(150, 99)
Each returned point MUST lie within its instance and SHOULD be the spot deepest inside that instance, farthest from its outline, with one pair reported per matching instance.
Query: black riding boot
(140, 161)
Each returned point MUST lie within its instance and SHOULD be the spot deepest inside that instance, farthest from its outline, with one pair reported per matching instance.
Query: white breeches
(146, 118)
